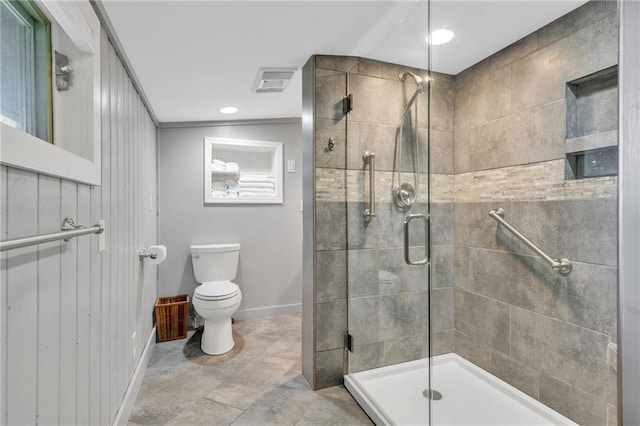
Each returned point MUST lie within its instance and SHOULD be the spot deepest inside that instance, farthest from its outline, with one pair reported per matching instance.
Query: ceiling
(194, 57)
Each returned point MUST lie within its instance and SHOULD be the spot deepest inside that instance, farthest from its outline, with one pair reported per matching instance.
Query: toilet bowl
(216, 299)
(216, 302)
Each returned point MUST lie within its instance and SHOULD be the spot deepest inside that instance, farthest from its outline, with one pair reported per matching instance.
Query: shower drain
(434, 394)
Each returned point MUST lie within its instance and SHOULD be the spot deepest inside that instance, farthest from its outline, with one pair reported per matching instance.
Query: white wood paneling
(22, 299)
(3, 296)
(83, 328)
(69, 311)
(95, 296)
(114, 218)
(119, 246)
(105, 256)
(129, 233)
(49, 291)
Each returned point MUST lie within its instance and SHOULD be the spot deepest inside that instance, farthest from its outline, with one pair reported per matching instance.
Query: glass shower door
(388, 255)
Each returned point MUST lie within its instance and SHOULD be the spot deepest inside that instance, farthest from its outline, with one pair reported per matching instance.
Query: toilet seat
(216, 290)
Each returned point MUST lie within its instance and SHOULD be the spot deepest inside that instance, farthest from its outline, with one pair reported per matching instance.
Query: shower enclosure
(430, 310)
(389, 255)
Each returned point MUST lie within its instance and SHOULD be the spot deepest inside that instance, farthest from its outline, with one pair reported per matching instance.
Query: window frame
(22, 150)
(39, 119)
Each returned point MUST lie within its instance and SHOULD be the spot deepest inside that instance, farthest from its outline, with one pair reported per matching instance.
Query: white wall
(270, 266)
(629, 216)
(68, 312)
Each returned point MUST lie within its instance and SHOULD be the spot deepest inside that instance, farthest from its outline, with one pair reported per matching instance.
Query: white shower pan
(393, 395)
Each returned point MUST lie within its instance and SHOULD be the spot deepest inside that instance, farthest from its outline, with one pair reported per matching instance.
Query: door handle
(407, 221)
(369, 158)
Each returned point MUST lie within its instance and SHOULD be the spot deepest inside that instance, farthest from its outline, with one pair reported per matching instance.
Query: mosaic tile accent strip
(442, 188)
(332, 185)
(531, 182)
(358, 183)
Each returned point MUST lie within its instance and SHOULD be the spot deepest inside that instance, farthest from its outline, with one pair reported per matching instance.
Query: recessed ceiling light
(440, 37)
(229, 110)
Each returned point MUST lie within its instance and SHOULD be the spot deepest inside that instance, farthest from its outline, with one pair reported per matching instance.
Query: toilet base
(217, 337)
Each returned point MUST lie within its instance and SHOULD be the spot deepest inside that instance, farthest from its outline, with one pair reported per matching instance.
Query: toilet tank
(214, 262)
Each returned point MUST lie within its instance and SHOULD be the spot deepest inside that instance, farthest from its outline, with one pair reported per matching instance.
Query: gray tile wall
(542, 332)
(361, 264)
(330, 321)
(517, 95)
(442, 214)
(493, 302)
(388, 300)
(510, 307)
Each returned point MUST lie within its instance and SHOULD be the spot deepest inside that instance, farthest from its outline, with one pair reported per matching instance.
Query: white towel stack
(218, 189)
(256, 186)
(257, 179)
(226, 189)
(218, 165)
(232, 188)
(223, 166)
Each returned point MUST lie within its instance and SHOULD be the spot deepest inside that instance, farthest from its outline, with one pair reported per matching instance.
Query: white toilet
(216, 298)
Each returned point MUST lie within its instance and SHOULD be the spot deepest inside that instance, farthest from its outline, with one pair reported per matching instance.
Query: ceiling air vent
(272, 80)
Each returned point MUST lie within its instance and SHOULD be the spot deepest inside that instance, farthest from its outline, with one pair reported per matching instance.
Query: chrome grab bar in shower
(561, 265)
(69, 230)
(370, 158)
(407, 221)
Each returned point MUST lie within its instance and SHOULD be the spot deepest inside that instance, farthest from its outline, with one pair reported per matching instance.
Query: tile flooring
(259, 382)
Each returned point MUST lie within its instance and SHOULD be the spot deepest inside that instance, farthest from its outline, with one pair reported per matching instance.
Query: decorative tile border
(330, 184)
(442, 188)
(338, 185)
(531, 182)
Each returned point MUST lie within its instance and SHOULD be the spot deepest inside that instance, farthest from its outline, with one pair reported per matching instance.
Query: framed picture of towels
(238, 171)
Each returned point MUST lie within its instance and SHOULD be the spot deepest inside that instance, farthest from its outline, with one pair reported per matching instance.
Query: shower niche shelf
(592, 125)
(238, 171)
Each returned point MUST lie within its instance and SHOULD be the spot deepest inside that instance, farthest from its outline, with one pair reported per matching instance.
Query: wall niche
(242, 171)
(591, 144)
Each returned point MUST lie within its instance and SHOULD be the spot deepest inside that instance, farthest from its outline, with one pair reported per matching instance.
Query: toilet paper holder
(143, 253)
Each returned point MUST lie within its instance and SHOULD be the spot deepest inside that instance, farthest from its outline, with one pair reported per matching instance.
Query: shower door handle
(407, 221)
(370, 212)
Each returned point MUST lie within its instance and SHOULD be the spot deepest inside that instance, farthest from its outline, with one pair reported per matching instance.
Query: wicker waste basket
(172, 317)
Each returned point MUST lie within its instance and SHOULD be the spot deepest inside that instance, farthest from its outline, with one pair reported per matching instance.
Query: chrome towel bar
(69, 230)
(561, 265)
(370, 212)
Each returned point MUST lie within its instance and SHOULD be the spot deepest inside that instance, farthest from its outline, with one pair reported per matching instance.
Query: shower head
(420, 82)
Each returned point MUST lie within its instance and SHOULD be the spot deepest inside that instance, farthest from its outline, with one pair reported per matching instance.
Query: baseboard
(268, 311)
(126, 407)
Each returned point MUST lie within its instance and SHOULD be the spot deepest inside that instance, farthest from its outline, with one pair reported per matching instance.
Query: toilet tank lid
(208, 248)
